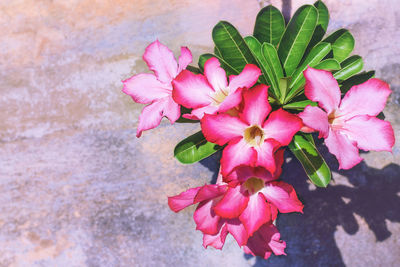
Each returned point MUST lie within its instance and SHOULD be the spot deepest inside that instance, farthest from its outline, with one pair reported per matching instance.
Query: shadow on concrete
(372, 194)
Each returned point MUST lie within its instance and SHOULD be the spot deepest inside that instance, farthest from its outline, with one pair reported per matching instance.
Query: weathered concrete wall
(78, 189)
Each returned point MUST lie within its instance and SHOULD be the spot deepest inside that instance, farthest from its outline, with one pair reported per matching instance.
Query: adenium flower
(210, 93)
(156, 89)
(252, 138)
(348, 124)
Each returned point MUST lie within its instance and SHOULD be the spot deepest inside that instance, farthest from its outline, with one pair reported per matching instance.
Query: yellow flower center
(253, 185)
(219, 96)
(254, 135)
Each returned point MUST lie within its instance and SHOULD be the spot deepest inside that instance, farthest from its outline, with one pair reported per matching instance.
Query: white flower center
(219, 96)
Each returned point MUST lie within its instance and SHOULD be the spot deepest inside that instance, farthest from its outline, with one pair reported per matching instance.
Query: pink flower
(210, 93)
(252, 138)
(156, 89)
(348, 124)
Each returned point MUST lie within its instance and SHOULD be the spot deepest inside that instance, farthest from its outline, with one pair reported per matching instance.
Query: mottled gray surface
(78, 189)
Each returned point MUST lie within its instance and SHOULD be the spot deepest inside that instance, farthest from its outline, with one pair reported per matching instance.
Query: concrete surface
(78, 189)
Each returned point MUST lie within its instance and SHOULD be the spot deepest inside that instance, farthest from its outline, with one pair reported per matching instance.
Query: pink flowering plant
(254, 97)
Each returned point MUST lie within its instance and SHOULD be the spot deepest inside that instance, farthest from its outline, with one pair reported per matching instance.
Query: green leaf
(300, 105)
(193, 69)
(231, 46)
(269, 25)
(271, 56)
(350, 66)
(322, 25)
(342, 44)
(313, 163)
(194, 148)
(328, 64)
(228, 68)
(296, 37)
(355, 80)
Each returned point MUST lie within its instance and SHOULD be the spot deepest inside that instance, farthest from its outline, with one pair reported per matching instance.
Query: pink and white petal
(246, 79)
(198, 113)
(256, 106)
(368, 98)
(265, 155)
(282, 126)
(232, 204)
(210, 191)
(205, 218)
(215, 75)
(191, 90)
(321, 87)
(256, 214)
(218, 240)
(237, 230)
(271, 233)
(279, 159)
(184, 59)
(172, 110)
(144, 88)
(183, 200)
(221, 128)
(151, 116)
(370, 133)
(317, 119)
(282, 196)
(235, 154)
(231, 101)
(161, 60)
(344, 149)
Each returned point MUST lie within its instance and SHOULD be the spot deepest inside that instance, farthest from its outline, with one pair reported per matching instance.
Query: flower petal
(183, 200)
(265, 155)
(370, 133)
(256, 106)
(257, 213)
(344, 149)
(184, 59)
(317, 119)
(151, 116)
(144, 88)
(321, 87)
(235, 154)
(215, 75)
(247, 78)
(282, 196)
(191, 90)
(205, 218)
(210, 191)
(232, 204)
(172, 110)
(161, 60)
(218, 240)
(270, 232)
(198, 113)
(231, 101)
(221, 128)
(282, 126)
(237, 230)
(368, 98)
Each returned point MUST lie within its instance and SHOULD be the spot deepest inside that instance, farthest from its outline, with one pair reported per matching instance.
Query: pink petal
(321, 87)
(198, 113)
(270, 232)
(191, 90)
(151, 116)
(237, 230)
(279, 159)
(247, 78)
(370, 133)
(208, 192)
(235, 154)
(231, 101)
(221, 128)
(216, 75)
(368, 98)
(282, 126)
(256, 214)
(282, 196)
(144, 88)
(344, 149)
(317, 119)
(218, 240)
(184, 59)
(205, 218)
(265, 155)
(256, 106)
(161, 60)
(242, 173)
(183, 200)
(232, 204)
(172, 110)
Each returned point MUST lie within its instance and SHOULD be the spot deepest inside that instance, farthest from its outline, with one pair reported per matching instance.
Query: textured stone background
(78, 189)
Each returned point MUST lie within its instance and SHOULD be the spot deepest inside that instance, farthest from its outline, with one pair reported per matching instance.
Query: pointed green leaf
(296, 37)
(271, 56)
(269, 25)
(330, 64)
(300, 105)
(342, 44)
(231, 46)
(349, 67)
(322, 25)
(355, 80)
(313, 163)
(228, 68)
(194, 148)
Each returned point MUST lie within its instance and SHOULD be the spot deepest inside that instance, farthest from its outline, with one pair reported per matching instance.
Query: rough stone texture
(78, 189)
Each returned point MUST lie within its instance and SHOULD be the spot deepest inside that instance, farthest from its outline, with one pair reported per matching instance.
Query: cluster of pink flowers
(235, 112)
